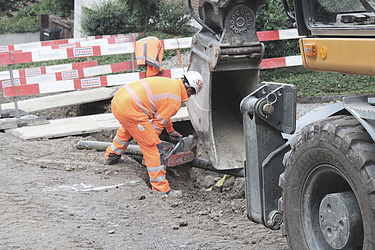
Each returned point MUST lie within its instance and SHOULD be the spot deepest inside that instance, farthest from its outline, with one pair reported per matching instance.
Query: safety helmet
(194, 80)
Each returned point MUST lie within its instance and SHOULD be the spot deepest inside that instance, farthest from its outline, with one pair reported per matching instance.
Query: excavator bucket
(228, 55)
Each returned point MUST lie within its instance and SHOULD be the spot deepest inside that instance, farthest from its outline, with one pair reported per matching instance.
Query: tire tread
(346, 134)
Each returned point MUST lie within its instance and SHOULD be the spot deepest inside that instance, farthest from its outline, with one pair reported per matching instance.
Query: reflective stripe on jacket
(155, 98)
(149, 51)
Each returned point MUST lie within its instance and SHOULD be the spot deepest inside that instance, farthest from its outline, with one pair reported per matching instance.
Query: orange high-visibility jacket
(149, 51)
(155, 98)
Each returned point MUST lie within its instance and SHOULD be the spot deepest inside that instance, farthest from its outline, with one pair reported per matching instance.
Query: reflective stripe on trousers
(147, 139)
(120, 142)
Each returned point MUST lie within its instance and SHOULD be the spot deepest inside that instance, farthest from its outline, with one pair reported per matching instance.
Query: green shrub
(141, 12)
(173, 18)
(110, 17)
(27, 19)
(20, 26)
(64, 8)
(7, 4)
(124, 16)
(272, 17)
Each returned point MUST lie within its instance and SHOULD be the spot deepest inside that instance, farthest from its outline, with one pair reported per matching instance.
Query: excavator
(313, 177)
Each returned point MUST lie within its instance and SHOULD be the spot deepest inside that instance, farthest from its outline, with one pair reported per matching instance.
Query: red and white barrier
(272, 35)
(107, 46)
(39, 71)
(84, 83)
(46, 54)
(124, 38)
(280, 62)
(72, 43)
(71, 74)
(60, 78)
(269, 63)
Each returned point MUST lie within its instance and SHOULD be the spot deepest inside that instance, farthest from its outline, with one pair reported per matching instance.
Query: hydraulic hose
(288, 12)
(201, 22)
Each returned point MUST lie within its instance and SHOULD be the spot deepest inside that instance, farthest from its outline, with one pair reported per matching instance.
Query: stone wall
(16, 38)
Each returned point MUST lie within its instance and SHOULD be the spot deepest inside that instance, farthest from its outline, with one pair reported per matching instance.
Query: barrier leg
(17, 112)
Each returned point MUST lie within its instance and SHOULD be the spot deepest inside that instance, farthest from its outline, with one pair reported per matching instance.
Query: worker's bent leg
(156, 170)
(147, 140)
(120, 142)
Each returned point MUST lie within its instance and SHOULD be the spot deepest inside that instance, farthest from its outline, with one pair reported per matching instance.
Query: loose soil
(55, 196)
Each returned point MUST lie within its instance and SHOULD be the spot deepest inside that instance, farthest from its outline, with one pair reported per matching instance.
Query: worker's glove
(174, 134)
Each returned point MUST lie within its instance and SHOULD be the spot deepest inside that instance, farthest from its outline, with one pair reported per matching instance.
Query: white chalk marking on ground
(85, 187)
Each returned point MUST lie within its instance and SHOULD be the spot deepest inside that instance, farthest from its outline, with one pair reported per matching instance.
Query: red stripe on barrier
(81, 52)
(92, 82)
(166, 73)
(61, 42)
(6, 48)
(120, 39)
(273, 63)
(32, 72)
(66, 45)
(80, 73)
(5, 58)
(22, 73)
(58, 76)
(81, 65)
(69, 74)
(16, 82)
(122, 66)
(22, 57)
(54, 42)
(268, 35)
(28, 89)
(44, 70)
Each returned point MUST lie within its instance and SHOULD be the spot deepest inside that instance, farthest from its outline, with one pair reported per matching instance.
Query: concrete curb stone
(327, 99)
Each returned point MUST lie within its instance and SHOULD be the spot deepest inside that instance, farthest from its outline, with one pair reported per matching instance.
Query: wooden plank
(64, 99)
(79, 125)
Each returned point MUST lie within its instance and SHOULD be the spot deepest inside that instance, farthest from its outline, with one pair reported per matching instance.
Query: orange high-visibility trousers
(147, 138)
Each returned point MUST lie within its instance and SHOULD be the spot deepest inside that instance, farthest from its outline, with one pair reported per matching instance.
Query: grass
(311, 83)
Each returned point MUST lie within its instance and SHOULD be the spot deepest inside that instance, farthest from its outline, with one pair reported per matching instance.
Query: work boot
(112, 159)
(174, 193)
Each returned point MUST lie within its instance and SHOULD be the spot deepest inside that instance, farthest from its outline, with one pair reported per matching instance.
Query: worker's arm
(162, 118)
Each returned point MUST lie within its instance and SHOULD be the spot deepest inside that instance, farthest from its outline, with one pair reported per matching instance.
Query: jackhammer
(180, 153)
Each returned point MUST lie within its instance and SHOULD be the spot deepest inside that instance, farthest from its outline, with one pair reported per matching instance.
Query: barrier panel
(76, 76)
(87, 69)
(83, 83)
(28, 73)
(70, 43)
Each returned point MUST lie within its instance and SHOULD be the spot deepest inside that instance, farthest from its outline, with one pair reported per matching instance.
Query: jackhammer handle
(175, 138)
(174, 149)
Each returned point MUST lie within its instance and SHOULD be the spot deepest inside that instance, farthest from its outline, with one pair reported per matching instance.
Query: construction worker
(149, 53)
(144, 108)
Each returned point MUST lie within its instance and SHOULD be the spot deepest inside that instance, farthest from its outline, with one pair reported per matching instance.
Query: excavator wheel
(328, 199)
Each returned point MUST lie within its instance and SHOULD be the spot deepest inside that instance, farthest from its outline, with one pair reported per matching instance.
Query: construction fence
(88, 74)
